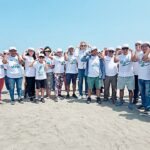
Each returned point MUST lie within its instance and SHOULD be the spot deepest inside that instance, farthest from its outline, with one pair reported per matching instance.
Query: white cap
(125, 45)
(138, 42)
(70, 47)
(94, 48)
(41, 55)
(12, 48)
(118, 47)
(146, 42)
(5, 51)
(59, 50)
(30, 48)
(111, 48)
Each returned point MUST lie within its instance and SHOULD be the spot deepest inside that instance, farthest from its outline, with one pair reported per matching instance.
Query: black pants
(136, 90)
(30, 86)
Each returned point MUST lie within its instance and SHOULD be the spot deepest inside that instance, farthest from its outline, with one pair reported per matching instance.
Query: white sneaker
(80, 97)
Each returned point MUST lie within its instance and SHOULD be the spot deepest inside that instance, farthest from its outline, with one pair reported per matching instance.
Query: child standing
(40, 77)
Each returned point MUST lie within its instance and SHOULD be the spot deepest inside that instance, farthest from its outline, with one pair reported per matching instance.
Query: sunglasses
(83, 45)
(111, 51)
(125, 48)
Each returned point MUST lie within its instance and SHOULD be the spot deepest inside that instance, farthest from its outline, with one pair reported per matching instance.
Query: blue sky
(60, 23)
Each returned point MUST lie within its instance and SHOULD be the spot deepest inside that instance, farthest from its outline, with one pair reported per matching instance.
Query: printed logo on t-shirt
(143, 63)
(41, 71)
(125, 63)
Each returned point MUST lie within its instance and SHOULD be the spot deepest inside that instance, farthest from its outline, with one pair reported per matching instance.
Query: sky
(60, 23)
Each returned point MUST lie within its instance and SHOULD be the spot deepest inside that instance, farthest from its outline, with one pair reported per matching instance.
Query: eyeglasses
(111, 51)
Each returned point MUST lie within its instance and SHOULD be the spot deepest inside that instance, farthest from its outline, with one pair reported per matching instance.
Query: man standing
(94, 72)
(125, 74)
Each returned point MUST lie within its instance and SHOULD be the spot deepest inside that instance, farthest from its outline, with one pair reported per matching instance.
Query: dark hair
(34, 56)
(47, 47)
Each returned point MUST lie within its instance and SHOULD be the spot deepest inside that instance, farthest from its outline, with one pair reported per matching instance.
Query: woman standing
(29, 57)
(49, 72)
(14, 73)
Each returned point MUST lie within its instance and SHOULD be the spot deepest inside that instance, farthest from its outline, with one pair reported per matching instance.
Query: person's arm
(24, 55)
(146, 56)
(66, 56)
(4, 60)
(31, 65)
(116, 59)
(20, 59)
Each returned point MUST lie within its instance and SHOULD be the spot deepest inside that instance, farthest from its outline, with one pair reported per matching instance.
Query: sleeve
(35, 64)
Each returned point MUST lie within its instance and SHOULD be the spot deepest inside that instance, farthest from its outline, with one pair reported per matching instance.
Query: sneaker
(42, 100)
(20, 100)
(56, 99)
(99, 100)
(88, 101)
(141, 107)
(147, 111)
(130, 106)
(36, 100)
(12, 102)
(106, 99)
(31, 99)
(74, 96)
(80, 97)
(61, 96)
(135, 101)
(119, 103)
(67, 96)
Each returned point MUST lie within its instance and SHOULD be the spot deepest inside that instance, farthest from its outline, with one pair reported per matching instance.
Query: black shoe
(31, 99)
(67, 96)
(60, 96)
(99, 100)
(88, 100)
(42, 100)
(135, 101)
(141, 107)
(74, 95)
(20, 100)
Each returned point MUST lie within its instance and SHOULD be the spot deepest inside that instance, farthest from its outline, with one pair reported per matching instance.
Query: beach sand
(72, 125)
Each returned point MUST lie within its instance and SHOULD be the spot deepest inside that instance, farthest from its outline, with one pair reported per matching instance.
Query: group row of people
(49, 69)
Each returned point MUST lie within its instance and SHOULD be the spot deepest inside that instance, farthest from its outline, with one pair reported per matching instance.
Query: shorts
(40, 84)
(71, 77)
(93, 81)
(50, 80)
(126, 81)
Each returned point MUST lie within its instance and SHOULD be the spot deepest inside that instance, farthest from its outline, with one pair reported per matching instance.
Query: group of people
(46, 70)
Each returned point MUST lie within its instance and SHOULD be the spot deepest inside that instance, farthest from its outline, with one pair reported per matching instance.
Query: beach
(72, 125)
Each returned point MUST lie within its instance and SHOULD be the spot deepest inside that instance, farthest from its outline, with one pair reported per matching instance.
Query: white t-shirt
(94, 65)
(71, 65)
(81, 65)
(2, 73)
(49, 62)
(125, 66)
(136, 65)
(14, 69)
(144, 68)
(40, 70)
(29, 71)
(59, 63)
(110, 66)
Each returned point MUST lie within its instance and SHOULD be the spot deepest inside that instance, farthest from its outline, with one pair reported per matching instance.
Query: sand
(72, 125)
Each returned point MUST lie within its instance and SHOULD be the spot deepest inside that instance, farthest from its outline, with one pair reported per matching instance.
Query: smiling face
(41, 59)
(83, 46)
(125, 50)
(110, 53)
(71, 50)
(59, 53)
(94, 52)
(138, 47)
(31, 52)
(145, 47)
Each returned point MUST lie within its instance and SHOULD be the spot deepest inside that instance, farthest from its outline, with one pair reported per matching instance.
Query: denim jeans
(6, 83)
(81, 76)
(144, 87)
(136, 90)
(12, 82)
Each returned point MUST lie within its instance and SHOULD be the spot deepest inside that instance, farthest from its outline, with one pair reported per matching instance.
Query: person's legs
(11, 82)
(147, 94)
(68, 81)
(61, 80)
(136, 90)
(19, 87)
(90, 81)
(114, 88)
(142, 91)
(86, 85)
(106, 87)
(1, 87)
(80, 75)
(6, 83)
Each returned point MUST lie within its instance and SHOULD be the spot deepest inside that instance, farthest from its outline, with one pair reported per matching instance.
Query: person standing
(95, 72)
(71, 71)
(135, 69)
(125, 74)
(29, 57)
(14, 73)
(111, 75)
